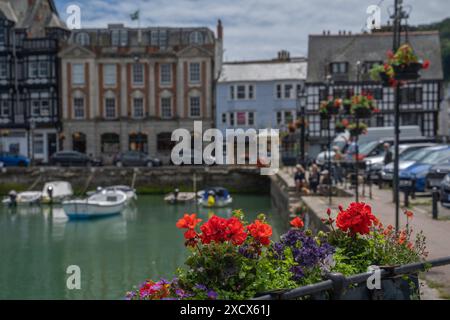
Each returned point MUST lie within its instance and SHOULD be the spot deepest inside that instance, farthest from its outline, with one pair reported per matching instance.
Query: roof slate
(324, 49)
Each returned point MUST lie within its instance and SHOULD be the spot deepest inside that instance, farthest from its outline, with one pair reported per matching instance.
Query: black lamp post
(358, 73)
(398, 16)
(302, 100)
(330, 184)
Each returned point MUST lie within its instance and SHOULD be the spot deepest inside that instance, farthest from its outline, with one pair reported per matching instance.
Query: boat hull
(217, 204)
(83, 210)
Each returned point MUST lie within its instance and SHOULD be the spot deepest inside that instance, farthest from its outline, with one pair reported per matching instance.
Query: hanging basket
(407, 72)
(347, 108)
(385, 79)
(362, 113)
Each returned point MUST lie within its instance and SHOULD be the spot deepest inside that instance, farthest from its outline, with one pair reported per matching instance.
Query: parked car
(9, 159)
(408, 133)
(73, 158)
(135, 159)
(445, 191)
(406, 161)
(374, 165)
(437, 174)
(414, 177)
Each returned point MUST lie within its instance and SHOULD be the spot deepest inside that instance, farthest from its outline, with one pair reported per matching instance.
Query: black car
(73, 158)
(437, 174)
(136, 159)
(445, 191)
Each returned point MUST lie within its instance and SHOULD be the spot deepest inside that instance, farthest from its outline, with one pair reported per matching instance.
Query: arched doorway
(138, 142)
(79, 142)
(110, 143)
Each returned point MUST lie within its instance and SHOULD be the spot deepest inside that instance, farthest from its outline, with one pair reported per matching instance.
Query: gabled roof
(325, 49)
(263, 71)
(26, 14)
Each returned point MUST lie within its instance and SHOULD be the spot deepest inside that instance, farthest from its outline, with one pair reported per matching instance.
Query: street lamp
(302, 100)
(358, 74)
(329, 81)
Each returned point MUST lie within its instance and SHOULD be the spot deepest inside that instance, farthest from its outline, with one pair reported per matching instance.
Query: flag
(135, 16)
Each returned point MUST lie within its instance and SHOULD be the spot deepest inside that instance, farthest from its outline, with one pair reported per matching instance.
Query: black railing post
(435, 196)
(406, 193)
(339, 283)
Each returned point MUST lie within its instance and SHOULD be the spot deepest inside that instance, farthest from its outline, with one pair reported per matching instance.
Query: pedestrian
(314, 178)
(388, 157)
(337, 168)
(300, 178)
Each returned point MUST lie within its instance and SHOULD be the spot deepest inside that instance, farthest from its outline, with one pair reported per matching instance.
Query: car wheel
(119, 164)
(149, 164)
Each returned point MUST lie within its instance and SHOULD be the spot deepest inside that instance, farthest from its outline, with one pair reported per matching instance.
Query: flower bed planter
(407, 72)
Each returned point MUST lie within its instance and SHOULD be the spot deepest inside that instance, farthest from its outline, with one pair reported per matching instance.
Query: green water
(38, 244)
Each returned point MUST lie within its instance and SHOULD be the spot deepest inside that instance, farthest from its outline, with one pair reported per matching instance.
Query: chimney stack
(219, 29)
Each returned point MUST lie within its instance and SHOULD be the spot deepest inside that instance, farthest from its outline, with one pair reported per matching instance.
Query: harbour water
(37, 244)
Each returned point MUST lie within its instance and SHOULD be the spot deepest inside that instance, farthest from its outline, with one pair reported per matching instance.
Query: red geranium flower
(219, 229)
(297, 223)
(358, 218)
(188, 221)
(426, 64)
(409, 214)
(190, 234)
(261, 232)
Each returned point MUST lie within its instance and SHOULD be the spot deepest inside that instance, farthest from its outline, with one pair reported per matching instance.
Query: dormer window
(339, 68)
(196, 37)
(82, 39)
(119, 38)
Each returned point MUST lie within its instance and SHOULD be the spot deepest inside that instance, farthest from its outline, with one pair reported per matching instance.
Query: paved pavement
(436, 231)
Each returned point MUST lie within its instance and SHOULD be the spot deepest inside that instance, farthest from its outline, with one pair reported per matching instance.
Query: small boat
(102, 204)
(23, 198)
(56, 192)
(180, 197)
(130, 192)
(215, 197)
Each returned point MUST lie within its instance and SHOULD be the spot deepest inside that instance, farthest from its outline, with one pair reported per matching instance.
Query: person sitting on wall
(324, 182)
(300, 180)
(314, 178)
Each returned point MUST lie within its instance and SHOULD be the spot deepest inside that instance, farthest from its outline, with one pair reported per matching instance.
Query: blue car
(414, 177)
(13, 160)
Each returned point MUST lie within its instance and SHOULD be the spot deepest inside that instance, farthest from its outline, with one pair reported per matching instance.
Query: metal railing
(338, 283)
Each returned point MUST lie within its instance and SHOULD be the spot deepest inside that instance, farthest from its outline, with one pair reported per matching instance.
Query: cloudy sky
(253, 29)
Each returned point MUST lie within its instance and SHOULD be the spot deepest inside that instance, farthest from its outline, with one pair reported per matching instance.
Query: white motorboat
(102, 204)
(214, 198)
(179, 197)
(56, 192)
(24, 198)
(130, 192)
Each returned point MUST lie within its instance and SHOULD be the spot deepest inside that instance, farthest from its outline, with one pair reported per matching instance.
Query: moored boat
(102, 204)
(215, 197)
(23, 198)
(56, 192)
(130, 192)
(180, 197)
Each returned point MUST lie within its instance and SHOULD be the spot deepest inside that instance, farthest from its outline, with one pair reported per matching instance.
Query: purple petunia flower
(212, 295)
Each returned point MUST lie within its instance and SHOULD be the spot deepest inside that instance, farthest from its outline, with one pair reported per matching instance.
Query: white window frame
(195, 72)
(83, 39)
(281, 91)
(142, 114)
(232, 118)
(78, 77)
(163, 106)
(138, 74)
(109, 99)
(233, 93)
(165, 74)
(191, 115)
(77, 108)
(5, 104)
(110, 74)
(283, 116)
(40, 103)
